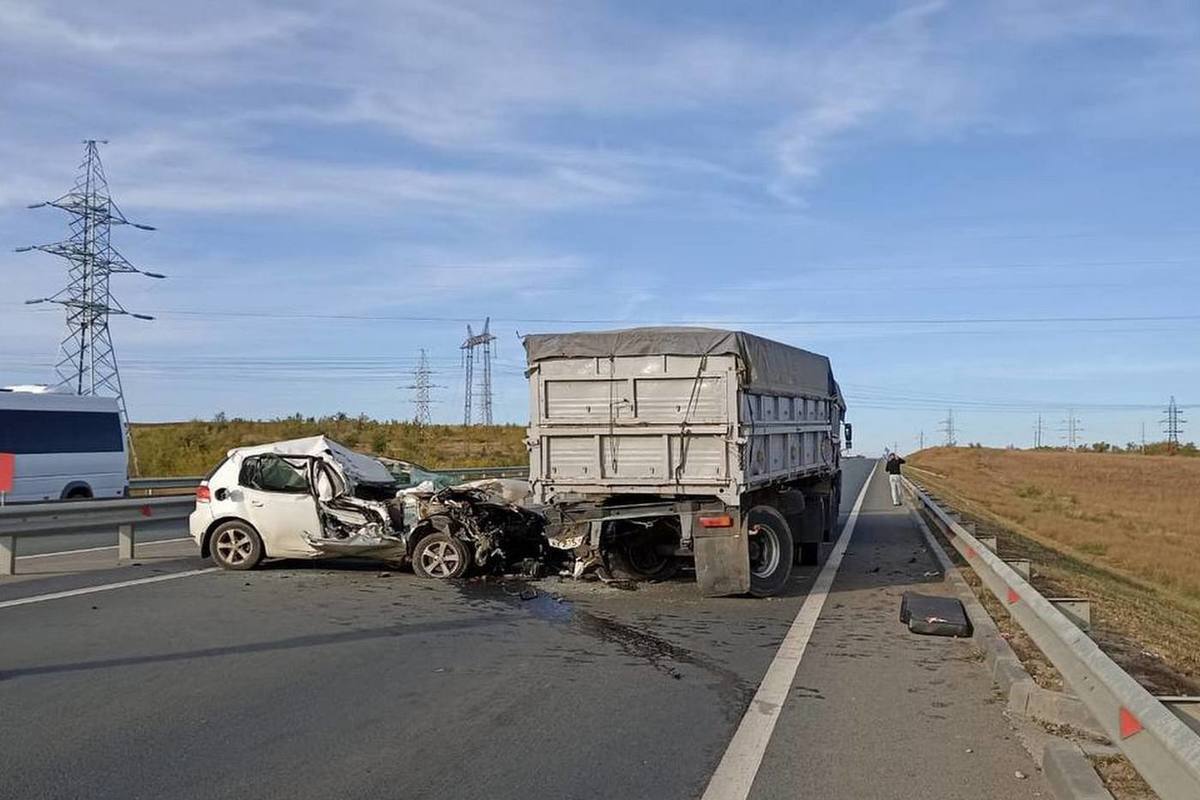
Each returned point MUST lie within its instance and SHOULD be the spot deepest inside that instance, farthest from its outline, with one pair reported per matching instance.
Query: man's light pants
(894, 480)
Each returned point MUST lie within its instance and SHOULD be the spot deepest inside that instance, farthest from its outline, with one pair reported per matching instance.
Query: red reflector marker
(722, 521)
(146, 511)
(1013, 597)
(971, 552)
(1129, 723)
(203, 495)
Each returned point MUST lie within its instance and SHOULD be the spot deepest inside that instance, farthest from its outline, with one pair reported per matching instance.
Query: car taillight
(720, 521)
(203, 495)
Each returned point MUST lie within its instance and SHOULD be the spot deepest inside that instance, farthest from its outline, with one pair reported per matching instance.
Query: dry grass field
(193, 448)
(1136, 515)
(1121, 529)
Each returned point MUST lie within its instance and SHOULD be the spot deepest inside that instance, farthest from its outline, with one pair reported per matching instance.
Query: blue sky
(337, 187)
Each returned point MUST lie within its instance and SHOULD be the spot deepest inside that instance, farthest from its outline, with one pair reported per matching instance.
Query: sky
(987, 208)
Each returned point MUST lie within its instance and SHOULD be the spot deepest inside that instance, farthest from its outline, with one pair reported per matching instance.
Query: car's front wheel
(441, 555)
(236, 545)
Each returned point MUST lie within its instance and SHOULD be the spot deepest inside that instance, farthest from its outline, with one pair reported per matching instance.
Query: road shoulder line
(41, 598)
(739, 765)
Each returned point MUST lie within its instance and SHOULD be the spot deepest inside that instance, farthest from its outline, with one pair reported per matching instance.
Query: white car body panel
(290, 523)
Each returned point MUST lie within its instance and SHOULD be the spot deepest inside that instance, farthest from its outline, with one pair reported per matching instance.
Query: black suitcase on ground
(936, 616)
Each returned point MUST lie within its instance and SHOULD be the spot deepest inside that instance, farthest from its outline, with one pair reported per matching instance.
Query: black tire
(235, 545)
(834, 509)
(79, 493)
(635, 559)
(812, 531)
(442, 556)
(770, 541)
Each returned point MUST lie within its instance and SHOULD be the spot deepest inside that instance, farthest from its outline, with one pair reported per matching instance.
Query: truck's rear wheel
(770, 544)
(644, 554)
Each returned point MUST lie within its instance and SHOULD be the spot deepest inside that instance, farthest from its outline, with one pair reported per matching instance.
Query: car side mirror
(849, 435)
(221, 494)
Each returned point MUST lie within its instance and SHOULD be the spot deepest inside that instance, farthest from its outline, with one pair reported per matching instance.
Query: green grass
(193, 448)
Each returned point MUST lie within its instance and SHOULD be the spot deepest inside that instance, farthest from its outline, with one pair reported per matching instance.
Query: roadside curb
(1064, 764)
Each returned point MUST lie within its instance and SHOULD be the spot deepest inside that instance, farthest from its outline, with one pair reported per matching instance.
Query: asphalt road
(337, 680)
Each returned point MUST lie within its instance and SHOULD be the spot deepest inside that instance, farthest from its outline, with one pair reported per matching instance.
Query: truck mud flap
(722, 560)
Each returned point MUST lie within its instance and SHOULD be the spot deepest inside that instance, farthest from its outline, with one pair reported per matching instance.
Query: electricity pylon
(484, 342)
(421, 388)
(87, 362)
(1173, 425)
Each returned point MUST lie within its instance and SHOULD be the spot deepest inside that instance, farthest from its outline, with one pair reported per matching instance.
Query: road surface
(327, 680)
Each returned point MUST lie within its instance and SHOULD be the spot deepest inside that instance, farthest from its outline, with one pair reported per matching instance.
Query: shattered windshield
(272, 473)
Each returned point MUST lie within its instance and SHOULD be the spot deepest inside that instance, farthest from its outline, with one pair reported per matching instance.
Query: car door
(278, 500)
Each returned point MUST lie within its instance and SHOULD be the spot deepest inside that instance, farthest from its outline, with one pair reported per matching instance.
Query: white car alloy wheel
(235, 545)
(441, 555)
(440, 559)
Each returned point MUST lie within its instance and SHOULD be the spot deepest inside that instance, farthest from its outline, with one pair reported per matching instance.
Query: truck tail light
(719, 521)
(203, 494)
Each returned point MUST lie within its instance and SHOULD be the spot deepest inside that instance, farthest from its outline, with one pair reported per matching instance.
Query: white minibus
(64, 446)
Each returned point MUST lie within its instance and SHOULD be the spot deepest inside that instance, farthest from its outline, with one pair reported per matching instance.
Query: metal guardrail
(479, 473)
(464, 474)
(84, 516)
(1164, 750)
(150, 484)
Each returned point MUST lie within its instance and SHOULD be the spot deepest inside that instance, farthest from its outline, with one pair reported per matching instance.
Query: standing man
(893, 470)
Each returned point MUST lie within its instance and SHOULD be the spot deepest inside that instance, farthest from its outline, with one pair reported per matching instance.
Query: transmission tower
(1071, 428)
(947, 428)
(1173, 425)
(87, 363)
(421, 388)
(1037, 433)
(483, 341)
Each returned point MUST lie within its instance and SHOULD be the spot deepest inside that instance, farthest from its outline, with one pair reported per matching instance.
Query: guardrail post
(1186, 708)
(1076, 609)
(125, 542)
(8, 555)
(1021, 566)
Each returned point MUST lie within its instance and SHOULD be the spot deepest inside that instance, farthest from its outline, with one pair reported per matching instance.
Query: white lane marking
(103, 547)
(739, 766)
(40, 598)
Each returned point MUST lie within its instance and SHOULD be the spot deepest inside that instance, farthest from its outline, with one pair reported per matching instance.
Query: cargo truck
(652, 446)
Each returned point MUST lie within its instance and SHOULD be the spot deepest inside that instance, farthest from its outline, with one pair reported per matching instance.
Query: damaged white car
(314, 498)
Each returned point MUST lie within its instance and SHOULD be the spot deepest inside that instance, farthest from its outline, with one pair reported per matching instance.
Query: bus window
(27, 432)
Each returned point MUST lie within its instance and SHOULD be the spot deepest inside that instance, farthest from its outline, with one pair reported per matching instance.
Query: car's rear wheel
(236, 545)
(441, 555)
(770, 542)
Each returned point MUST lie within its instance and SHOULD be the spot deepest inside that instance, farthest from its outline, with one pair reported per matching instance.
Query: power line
(87, 364)
(293, 315)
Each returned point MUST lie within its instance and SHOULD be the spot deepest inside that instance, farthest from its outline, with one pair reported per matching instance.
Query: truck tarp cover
(768, 366)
